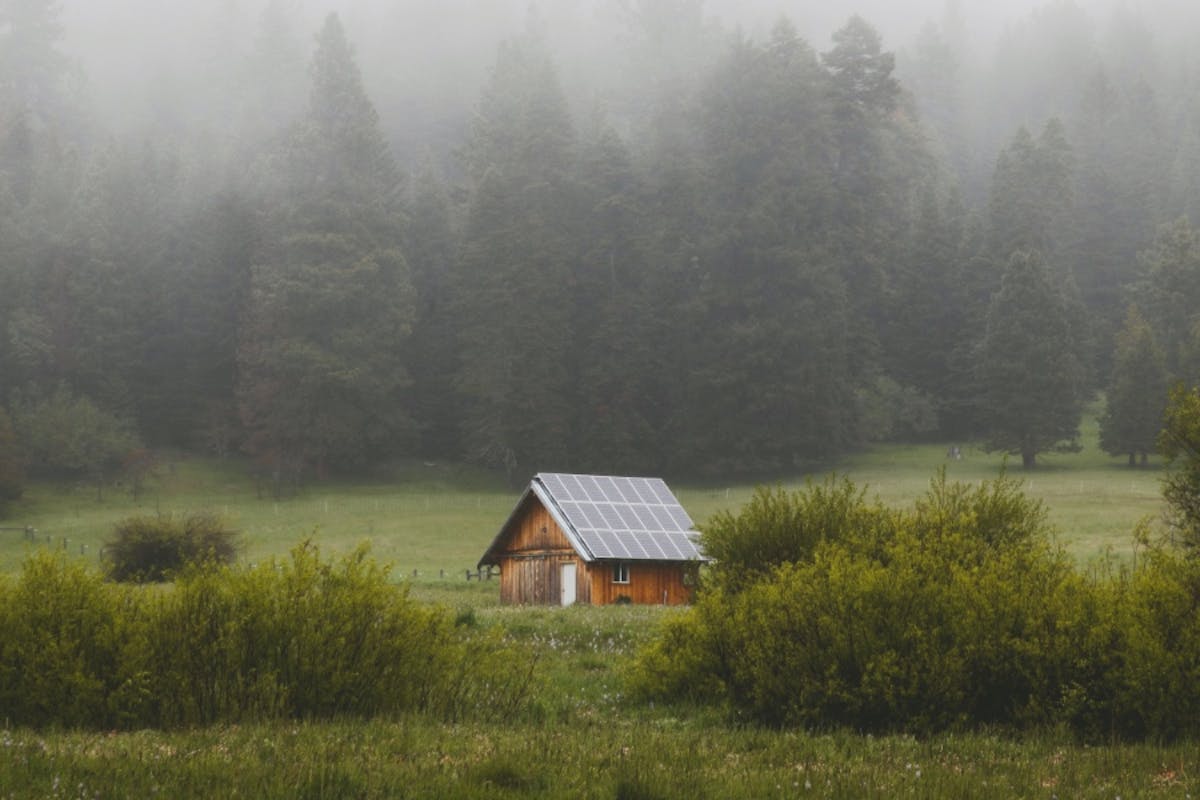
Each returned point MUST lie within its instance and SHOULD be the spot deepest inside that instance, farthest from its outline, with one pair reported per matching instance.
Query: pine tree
(1032, 194)
(512, 284)
(929, 318)
(880, 164)
(1029, 378)
(209, 302)
(1122, 167)
(1137, 392)
(322, 375)
(432, 247)
(934, 74)
(120, 287)
(863, 94)
(1168, 290)
(774, 387)
(617, 334)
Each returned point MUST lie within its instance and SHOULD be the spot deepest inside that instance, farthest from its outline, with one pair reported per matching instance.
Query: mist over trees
(620, 235)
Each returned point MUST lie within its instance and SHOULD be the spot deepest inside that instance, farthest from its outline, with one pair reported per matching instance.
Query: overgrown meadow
(578, 732)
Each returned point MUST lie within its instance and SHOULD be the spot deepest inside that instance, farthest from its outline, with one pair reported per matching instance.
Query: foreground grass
(663, 757)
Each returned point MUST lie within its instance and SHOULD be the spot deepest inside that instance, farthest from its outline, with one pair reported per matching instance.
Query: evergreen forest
(624, 236)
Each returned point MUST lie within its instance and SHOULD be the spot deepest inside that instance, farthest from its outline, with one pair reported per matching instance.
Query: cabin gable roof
(608, 518)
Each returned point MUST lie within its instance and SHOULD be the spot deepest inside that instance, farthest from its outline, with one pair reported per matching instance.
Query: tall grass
(604, 758)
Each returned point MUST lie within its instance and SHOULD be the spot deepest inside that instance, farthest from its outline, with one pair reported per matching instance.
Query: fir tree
(513, 280)
(1029, 378)
(433, 357)
(773, 388)
(322, 374)
(1137, 392)
(1168, 290)
(620, 368)
(1032, 194)
(929, 311)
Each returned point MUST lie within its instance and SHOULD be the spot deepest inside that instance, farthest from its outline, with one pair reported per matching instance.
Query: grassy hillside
(441, 517)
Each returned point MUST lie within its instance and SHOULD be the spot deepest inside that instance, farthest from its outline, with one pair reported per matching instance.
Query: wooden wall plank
(531, 569)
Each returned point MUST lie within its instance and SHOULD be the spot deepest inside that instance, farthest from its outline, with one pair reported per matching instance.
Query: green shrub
(149, 549)
(778, 527)
(295, 638)
(1155, 683)
(959, 612)
(64, 637)
(307, 638)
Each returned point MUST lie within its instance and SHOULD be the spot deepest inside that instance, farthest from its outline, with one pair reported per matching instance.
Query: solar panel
(623, 518)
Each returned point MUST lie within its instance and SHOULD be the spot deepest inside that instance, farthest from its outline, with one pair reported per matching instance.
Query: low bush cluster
(147, 549)
(296, 638)
(957, 613)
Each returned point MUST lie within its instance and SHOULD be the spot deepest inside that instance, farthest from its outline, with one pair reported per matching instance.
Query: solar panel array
(624, 518)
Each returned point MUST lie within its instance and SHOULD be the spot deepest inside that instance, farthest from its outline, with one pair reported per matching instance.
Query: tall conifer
(513, 280)
(1137, 392)
(322, 376)
(1029, 378)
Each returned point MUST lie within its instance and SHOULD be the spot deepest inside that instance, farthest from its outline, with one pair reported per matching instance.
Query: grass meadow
(437, 519)
(581, 737)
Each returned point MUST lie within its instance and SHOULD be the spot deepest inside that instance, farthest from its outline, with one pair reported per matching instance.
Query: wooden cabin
(596, 539)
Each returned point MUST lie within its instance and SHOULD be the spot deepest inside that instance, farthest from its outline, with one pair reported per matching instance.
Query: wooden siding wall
(537, 580)
(649, 584)
(537, 533)
(531, 569)
(531, 566)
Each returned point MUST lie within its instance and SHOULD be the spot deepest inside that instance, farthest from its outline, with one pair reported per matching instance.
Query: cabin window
(621, 572)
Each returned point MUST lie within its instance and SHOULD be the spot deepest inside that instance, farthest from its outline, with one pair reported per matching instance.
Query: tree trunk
(1028, 459)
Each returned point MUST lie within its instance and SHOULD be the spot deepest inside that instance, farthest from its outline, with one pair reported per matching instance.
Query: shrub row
(295, 638)
(957, 613)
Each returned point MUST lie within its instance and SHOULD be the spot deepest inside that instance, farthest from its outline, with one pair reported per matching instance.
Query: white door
(568, 584)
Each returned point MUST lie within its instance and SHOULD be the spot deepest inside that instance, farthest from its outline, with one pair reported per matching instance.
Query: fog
(144, 58)
(582, 196)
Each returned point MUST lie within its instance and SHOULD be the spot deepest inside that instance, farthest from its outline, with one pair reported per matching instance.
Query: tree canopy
(684, 249)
